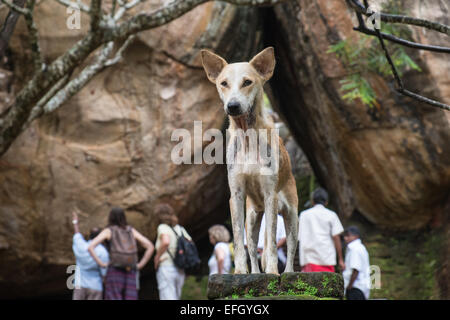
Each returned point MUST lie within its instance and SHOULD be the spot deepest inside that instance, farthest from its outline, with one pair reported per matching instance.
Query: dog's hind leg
(289, 209)
(253, 225)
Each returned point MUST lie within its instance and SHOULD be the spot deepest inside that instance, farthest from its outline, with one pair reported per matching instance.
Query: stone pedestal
(291, 285)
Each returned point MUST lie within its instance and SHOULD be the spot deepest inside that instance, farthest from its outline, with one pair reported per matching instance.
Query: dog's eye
(247, 83)
(224, 83)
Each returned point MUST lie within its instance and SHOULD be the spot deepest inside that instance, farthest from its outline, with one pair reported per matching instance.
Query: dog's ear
(264, 63)
(213, 64)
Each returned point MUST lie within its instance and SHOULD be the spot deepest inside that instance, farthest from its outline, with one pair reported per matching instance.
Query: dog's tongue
(242, 122)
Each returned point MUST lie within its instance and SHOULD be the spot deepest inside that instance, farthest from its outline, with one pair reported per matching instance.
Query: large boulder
(110, 145)
(390, 163)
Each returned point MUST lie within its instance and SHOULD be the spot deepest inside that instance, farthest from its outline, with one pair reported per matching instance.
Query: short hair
(166, 214)
(117, 217)
(94, 233)
(219, 233)
(353, 230)
(320, 196)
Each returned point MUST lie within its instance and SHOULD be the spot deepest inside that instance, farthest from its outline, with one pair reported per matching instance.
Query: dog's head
(238, 84)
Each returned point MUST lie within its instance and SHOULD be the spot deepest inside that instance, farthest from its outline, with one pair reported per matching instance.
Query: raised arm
(104, 235)
(149, 248)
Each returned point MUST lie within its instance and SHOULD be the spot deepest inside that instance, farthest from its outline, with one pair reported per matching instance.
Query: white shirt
(357, 257)
(281, 233)
(317, 227)
(212, 262)
(88, 274)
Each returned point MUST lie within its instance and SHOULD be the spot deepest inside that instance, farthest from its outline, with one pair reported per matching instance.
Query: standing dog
(261, 186)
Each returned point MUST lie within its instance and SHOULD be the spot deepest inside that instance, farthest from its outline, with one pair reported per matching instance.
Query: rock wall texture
(111, 144)
(390, 163)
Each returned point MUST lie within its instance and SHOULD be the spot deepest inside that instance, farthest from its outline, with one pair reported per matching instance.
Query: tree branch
(399, 81)
(34, 37)
(95, 12)
(172, 11)
(394, 18)
(8, 26)
(72, 4)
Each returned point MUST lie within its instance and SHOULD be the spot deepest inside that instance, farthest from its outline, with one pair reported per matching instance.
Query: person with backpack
(122, 276)
(175, 252)
(220, 261)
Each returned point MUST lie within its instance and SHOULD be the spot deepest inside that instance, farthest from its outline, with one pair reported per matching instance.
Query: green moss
(273, 286)
(305, 288)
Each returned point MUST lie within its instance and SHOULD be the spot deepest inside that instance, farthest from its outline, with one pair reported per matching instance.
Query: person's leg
(354, 294)
(181, 276)
(130, 286)
(114, 284)
(165, 277)
(79, 294)
(93, 294)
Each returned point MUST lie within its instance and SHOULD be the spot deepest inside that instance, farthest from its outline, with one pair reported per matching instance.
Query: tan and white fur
(240, 86)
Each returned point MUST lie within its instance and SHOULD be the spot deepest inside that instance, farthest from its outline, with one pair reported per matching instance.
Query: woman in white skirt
(220, 261)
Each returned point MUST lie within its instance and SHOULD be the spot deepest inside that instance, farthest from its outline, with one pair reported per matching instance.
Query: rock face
(270, 286)
(390, 163)
(111, 144)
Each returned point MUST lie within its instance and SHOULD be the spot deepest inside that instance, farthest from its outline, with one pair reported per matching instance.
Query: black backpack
(186, 256)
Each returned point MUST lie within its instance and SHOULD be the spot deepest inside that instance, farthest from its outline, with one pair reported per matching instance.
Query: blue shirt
(88, 274)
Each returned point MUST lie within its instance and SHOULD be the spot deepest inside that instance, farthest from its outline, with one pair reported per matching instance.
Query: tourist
(220, 261)
(122, 277)
(357, 268)
(170, 278)
(319, 236)
(88, 275)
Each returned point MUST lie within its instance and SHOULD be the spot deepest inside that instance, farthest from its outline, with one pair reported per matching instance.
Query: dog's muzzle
(234, 108)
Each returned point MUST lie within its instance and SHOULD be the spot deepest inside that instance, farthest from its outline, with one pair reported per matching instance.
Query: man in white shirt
(357, 268)
(88, 275)
(319, 236)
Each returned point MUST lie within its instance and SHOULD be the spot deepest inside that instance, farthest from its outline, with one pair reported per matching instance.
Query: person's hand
(341, 264)
(74, 215)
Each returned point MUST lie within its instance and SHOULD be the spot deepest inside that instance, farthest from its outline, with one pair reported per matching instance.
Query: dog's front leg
(270, 248)
(237, 208)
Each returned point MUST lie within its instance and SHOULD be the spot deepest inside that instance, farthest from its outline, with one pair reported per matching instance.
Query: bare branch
(59, 96)
(95, 12)
(399, 81)
(170, 12)
(34, 38)
(8, 26)
(119, 54)
(72, 4)
(16, 8)
(403, 42)
(393, 18)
